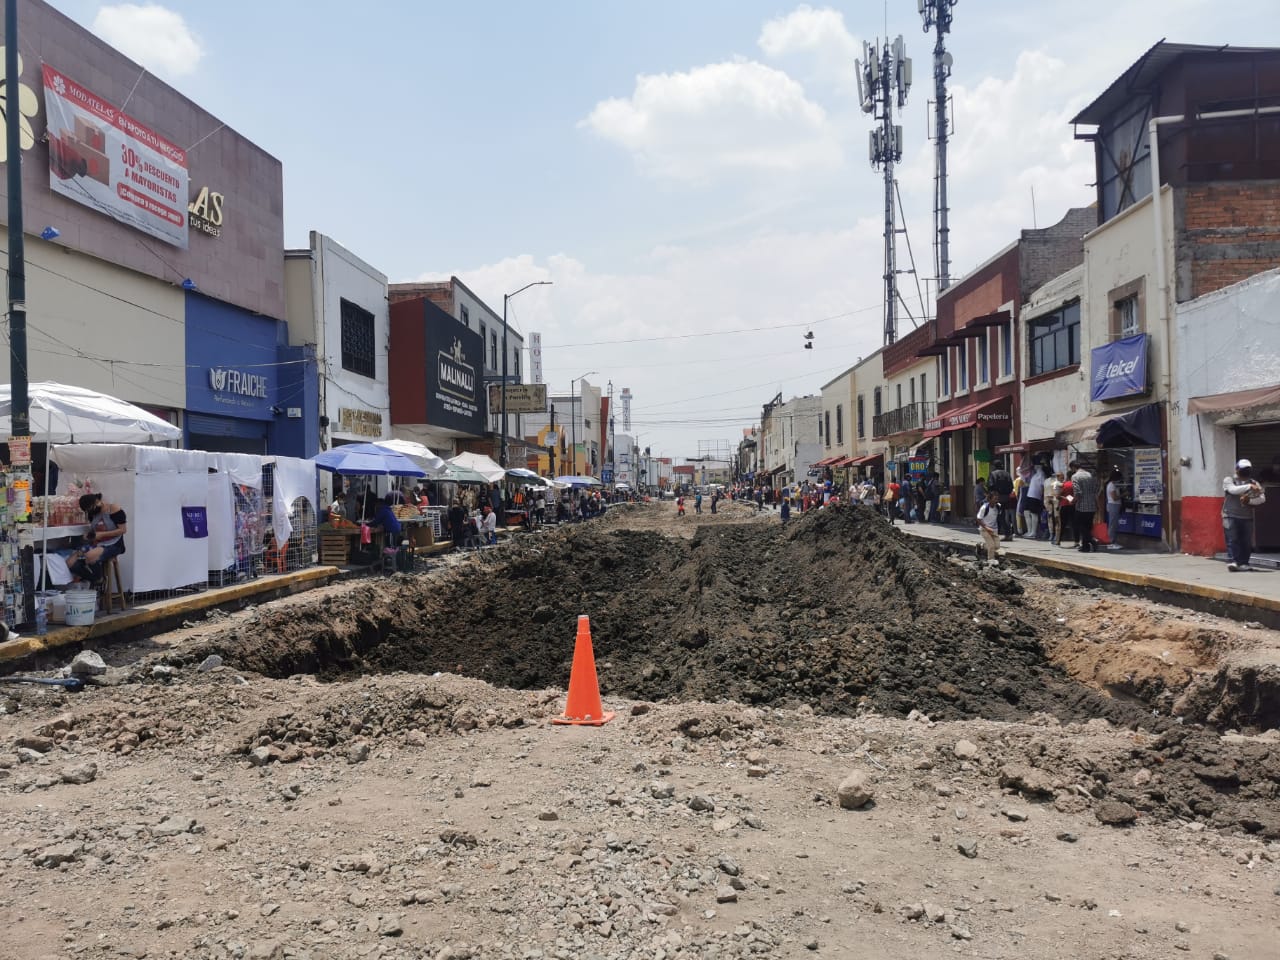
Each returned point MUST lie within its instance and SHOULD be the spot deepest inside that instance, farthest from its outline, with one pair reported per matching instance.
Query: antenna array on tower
(884, 78)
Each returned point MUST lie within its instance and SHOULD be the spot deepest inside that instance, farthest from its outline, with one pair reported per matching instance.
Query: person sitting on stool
(105, 539)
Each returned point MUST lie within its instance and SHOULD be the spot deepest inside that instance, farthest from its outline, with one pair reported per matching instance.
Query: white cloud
(817, 38)
(1012, 137)
(680, 290)
(158, 38)
(724, 117)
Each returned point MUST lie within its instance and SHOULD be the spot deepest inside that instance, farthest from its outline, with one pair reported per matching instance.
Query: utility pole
(505, 298)
(554, 440)
(937, 14)
(19, 403)
(884, 77)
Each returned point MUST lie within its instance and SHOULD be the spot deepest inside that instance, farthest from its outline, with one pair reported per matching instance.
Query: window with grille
(840, 423)
(466, 317)
(358, 352)
(1006, 350)
(1127, 316)
(493, 350)
(876, 405)
(1054, 339)
(984, 358)
(824, 427)
(862, 418)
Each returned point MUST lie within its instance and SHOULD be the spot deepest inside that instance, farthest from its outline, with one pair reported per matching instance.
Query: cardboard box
(420, 535)
(90, 134)
(96, 164)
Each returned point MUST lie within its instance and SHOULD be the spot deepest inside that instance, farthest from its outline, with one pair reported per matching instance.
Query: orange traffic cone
(583, 706)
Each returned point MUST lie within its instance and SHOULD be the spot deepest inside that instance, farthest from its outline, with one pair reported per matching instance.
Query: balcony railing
(909, 417)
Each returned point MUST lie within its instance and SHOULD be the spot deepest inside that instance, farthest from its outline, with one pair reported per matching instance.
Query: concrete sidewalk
(1173, 577)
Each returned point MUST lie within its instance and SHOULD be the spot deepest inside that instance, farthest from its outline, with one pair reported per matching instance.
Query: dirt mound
(838, 611)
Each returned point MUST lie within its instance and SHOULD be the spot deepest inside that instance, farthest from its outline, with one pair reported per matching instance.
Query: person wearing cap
(1241, 493)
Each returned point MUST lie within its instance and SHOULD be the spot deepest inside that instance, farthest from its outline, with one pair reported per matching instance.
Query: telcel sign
(1119, 369)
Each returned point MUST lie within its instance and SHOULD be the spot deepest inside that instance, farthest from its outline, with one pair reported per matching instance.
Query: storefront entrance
(1261, 446)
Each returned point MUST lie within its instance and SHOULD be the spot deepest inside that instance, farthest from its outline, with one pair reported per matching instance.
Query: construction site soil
(831, 740)
(837, 610)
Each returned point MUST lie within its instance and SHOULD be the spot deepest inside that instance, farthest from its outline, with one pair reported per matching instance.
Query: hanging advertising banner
(535, 356)
(101, 157)
(1119, 369)
(1148, 484)
(521, 398)
(454, 352)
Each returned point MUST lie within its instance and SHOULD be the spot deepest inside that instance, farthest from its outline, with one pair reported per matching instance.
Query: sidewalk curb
(1222, 601)
(150, 615)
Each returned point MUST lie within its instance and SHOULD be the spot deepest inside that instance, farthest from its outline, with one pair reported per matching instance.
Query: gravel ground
(194, 809)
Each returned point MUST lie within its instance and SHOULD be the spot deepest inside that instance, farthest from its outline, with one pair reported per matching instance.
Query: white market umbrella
(485, 466)
(419, 453)
(61, 413)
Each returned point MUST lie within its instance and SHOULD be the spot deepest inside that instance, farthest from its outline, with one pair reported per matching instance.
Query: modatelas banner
(101, 157)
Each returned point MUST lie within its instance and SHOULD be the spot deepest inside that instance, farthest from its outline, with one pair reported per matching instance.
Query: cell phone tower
(884, 77)
(937, 17)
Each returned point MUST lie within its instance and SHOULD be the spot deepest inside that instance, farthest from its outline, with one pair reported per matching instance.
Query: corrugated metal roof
(1142, 76)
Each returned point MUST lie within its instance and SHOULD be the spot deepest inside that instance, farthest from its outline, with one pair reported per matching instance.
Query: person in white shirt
(1114, 506)
(988, 525)
(489, 525)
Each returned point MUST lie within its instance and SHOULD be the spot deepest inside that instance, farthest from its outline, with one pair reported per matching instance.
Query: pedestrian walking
(1115, 504)
(989, 527)
(786, 510)
(1033, 501)
(1241, 495)
(1002, 483)
(1086, 496)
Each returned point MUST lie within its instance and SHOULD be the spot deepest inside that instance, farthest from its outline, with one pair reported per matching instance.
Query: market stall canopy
(419, 453)
(520, 473)
(367, 459)
(486, 467)
(61, 413)
(571, 481)
(555, 484)
(452, 473)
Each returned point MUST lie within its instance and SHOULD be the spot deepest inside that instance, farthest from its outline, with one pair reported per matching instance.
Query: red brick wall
(1227, 232)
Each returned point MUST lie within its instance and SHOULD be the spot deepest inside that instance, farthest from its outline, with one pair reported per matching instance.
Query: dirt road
(334, 789)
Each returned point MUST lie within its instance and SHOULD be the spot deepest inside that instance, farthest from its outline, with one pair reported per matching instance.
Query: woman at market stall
(105, 539)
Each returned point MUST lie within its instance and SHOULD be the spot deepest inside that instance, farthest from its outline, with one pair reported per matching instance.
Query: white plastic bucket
(58, 607)
(81, 606)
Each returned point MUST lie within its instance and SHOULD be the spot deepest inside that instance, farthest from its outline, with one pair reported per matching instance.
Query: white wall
(1228, 340)
(1120, 251)
(839, 393)
(868, 375)
(344, 276)
(107, 313)
(1050, 405)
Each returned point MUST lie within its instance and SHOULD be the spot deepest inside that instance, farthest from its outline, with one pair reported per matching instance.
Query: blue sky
(676, 167)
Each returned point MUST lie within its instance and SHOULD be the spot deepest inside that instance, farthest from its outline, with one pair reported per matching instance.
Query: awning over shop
(828, 462)
(1032, 446)
(1237, 401)
(996, 411)
(870, 458)
(842, 462)
(921, 445)
(1137, 427)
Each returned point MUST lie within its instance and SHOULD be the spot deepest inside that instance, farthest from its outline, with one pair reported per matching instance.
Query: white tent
(65, 414)
(419, 453)
(158, 487)
(486, 467)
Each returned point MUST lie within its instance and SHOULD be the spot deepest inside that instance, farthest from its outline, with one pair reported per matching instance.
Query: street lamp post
(573, 413)
(506, 297)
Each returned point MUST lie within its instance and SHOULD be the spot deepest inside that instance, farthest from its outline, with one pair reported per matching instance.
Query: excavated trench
(838, 611)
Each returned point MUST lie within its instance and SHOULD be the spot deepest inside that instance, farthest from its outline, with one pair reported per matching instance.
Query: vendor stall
(59, 414)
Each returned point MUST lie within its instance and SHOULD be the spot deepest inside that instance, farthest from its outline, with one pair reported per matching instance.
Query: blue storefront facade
(248, 391)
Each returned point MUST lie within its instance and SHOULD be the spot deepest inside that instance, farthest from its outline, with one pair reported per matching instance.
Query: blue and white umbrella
(577, 482)
(367, 459)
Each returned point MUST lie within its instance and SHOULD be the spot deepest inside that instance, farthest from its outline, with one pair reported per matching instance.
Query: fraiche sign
(1119, 369)
(101, 157)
